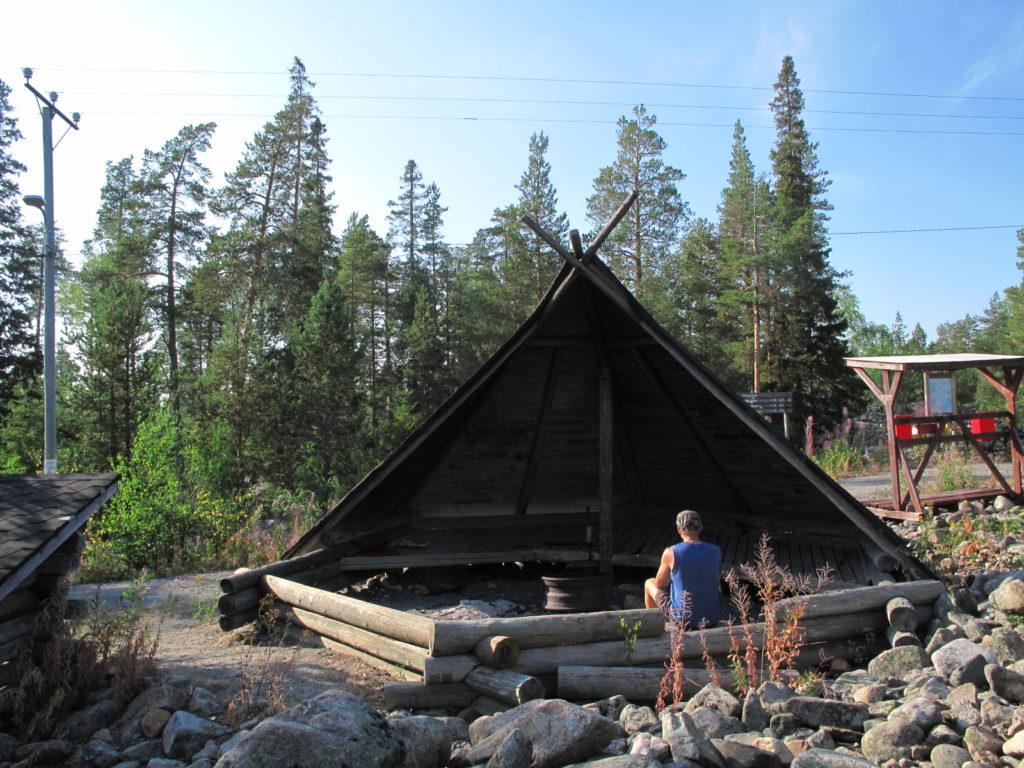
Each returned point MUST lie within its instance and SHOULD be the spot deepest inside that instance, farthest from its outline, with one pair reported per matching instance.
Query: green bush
(840, 459)
(158, 519)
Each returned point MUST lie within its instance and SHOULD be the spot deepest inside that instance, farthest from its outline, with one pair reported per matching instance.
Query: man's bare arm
(664, 576)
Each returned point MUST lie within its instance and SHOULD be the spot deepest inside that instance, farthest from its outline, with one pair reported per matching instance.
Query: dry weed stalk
(673, 682)
(263, 669)
(104, 648)
(767, 652)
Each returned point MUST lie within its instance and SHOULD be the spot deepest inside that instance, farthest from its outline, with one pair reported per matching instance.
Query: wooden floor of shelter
(638, 544)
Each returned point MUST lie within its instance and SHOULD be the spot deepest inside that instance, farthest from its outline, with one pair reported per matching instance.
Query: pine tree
(637, 250)
(805, 353)
(748, 298)
(20, 358)
(173, 183)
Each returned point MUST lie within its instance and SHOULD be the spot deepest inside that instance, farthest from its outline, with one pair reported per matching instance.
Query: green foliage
(955, 470)
(629, 633)
(839, 460)
(157, 519)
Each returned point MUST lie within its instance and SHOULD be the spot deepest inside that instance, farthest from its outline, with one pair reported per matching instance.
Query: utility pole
(48, 110)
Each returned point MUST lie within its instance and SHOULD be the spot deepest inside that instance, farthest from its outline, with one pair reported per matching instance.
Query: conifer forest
(225, 346)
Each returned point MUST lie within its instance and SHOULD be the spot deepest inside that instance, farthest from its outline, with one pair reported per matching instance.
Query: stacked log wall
(460, 660)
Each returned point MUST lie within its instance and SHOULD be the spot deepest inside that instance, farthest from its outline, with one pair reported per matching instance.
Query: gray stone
(942, 734)
(930, 688)
(898, 663)
(891, 740)
(185, 734)
(515, 751)
(713, 724)
(740, 755)
(427, 740)
(43, 752)
(616, 747)
(202, 702)
(962, 716)
(334, 728)
(949, 756)
(686, 741)
(965, 693)
(637, 718)
(101, 754)
(815, 712)
(1006, 644)
(957, 654)
(166, 762)
(143, 751)
(559, 731)
(153, 722)
(783, 724)
(981, 742)
(978, 630)
(922, 712)
(610, 707)
(233, 742)
(995, 712)
(82, 724)
(128, 764)
(972, 672)
(941, 637)
(824, 758)
(869, 694)
(166, 697)
(211, 751)
(754, 716)
(627, 761)
(772, 696)
(821, 739)
(649, 745)
(718, 698)
(1002, 504)
(1005, 682)
(202, 762)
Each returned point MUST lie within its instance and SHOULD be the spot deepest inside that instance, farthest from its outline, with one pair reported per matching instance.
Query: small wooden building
(578, 442)
(41, 521)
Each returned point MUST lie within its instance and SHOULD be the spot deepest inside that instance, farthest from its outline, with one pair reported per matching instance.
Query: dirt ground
(181, 611)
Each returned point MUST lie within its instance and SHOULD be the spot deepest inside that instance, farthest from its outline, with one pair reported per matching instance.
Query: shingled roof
(38, 513)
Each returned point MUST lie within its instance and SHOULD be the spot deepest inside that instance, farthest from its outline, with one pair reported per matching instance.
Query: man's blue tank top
(696, 573)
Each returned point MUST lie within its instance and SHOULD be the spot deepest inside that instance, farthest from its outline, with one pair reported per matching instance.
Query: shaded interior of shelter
(511, 463)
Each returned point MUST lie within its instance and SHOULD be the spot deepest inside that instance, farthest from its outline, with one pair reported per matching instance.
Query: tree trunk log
(901, 614)
(401, 695)
(862, 598)
(240, 619)
(899, 637)
(497, 651)
(386, 622)
(716, 641)
(367, 658)
(505, 685)
(636, 683)
(236, 602)
(451, 637)
(250, 578)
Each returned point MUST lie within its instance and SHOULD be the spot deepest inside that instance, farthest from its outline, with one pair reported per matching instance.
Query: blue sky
(461, 86)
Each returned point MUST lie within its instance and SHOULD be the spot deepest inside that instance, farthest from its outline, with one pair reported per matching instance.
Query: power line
(561, 102)
(935, 229)
(576, 81)
(472, 118)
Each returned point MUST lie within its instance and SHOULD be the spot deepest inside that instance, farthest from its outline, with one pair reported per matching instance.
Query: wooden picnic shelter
(931, 430)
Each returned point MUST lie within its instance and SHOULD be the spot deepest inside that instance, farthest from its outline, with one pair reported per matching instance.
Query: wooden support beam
(250, 578)
(613, 222)
(606, 464)
(397, 672)
(497, 651)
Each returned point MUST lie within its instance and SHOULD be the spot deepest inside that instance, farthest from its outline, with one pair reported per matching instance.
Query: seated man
(686, 587)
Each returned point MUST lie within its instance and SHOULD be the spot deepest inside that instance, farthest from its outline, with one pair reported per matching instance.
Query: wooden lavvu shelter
(577, 442)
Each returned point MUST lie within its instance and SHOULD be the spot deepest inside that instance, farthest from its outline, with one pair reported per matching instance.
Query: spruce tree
(20, 358)
(637, 250)
(747, 300)
(808, 343)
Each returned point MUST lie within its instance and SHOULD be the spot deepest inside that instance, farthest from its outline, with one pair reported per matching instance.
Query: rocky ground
(957, 699)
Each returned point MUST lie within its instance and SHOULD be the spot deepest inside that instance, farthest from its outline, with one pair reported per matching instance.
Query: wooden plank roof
(946, 362)
(520, 437)
(38, 513)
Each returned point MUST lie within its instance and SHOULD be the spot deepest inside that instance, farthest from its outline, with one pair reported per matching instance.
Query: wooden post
(497, 651)
(605, 462)
(505, 685)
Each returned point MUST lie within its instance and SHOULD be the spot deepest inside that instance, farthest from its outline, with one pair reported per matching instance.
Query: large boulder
(1009, 596)
(427, 740)
(922, 712)
(560, 733)
(185, 734)
(713, 696)
(332, 729)
(1005, 682)
(825, 758)
(891, 740)
(959, 653)
(900, 663)
(815, 712)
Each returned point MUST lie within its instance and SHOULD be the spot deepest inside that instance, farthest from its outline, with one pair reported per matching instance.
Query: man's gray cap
(688, 519)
